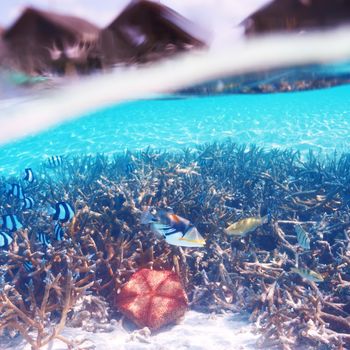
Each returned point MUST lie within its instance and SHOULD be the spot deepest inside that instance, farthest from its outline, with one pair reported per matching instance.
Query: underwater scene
(207, 209)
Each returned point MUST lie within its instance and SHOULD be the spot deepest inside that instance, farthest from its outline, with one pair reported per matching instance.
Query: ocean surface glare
(30, 116)
(316, 120)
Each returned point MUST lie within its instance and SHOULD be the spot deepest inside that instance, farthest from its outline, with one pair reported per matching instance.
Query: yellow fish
(246, 225)
(308, 274)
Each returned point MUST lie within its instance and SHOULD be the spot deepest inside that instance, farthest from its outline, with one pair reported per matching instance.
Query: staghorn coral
(212, 186)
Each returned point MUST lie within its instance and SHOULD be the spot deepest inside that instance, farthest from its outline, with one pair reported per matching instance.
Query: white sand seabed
(197, 331)
(31, 116)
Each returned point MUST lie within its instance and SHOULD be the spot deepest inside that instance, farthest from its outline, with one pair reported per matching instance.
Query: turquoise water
(317, 120)
(108, 200)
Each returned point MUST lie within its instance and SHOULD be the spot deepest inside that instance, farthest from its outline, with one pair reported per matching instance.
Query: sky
(217, 17)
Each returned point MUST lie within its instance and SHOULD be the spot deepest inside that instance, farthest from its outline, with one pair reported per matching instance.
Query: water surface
(317, 120)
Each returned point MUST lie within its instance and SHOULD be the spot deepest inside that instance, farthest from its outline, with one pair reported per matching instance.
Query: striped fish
(43, 238)
(303, 237)
(28, 266)
(58, 232)
(5, 239)
(28, 175)
(15, 189)
(177, 230)
(28, 203)
(308, 274)
(54, 161)
(63, 212)
(10, 222)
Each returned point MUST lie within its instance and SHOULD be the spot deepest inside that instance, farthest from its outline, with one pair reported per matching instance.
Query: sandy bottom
(197, 331)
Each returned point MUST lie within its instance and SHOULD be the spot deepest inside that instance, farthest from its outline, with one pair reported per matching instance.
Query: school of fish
(61, 212)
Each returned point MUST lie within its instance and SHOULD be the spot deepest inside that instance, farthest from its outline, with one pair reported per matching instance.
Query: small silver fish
(246, 225)
(308, 274)
(190, 170)
(303, 237)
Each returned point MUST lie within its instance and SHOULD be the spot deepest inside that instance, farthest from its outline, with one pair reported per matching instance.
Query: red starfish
(153, 298)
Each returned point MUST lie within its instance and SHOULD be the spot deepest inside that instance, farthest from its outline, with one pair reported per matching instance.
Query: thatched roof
(41, 41)
(293, 15)
(147, 30)
(3, 49)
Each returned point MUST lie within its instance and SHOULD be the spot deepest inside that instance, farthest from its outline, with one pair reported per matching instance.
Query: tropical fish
(15, 189)
(63, 212)
(308, 274)
(29, 176)
(58, 232)
(54, 161)
(303, 237)
(5, 239)
(43, 238)
(246, 225)
(28, 203)
(28, 266)
(177, 230)
(10, 222)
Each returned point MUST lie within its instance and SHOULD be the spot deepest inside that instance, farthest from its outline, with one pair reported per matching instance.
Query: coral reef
(307, 77)
(213, 186)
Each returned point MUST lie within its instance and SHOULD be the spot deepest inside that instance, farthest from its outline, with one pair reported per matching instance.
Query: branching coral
(212, 186)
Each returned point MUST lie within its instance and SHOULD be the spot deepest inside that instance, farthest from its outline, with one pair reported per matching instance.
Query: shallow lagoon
(226, 182)
(311, 120)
